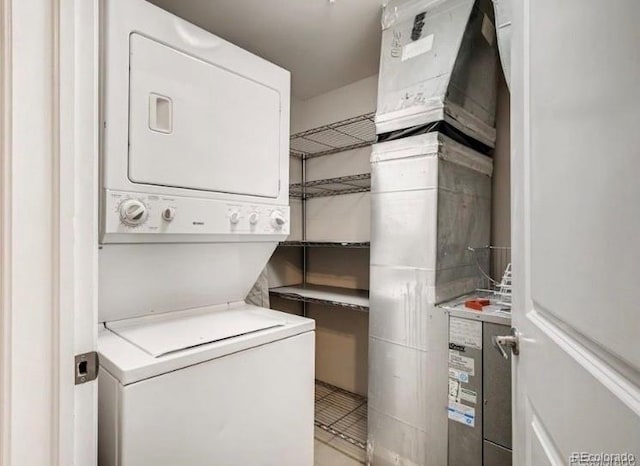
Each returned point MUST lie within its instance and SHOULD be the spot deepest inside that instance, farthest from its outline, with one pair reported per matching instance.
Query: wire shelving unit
(494, 266)
(329, 295)
(331, 186)
(341, 416)
(327, 244)
(341, 136)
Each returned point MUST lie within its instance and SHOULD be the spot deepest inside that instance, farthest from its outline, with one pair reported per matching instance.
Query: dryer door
(196, 125)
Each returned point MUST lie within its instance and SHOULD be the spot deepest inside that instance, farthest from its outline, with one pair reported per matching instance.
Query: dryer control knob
(168, 214)
(234, 217)
(253, 218)
(277, 219)
(133, 212)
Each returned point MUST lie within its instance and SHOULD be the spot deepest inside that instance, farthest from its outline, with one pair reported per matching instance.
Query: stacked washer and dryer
(194, 199)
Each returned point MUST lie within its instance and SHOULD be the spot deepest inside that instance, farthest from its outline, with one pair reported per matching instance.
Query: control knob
(133, 212)
(168, 214)
(277, 219)
(234, 217)
(253, 218)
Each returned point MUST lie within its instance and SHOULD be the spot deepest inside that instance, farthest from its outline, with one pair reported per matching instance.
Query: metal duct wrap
(438, 62)
(431, 198)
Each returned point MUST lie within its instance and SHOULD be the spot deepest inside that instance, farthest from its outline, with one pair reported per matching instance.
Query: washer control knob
(277, 219)
(133, 212)
(168, 214)
(234, 217)
(253, 218)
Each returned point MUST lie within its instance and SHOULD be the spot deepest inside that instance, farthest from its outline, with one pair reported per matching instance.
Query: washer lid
(129, 362)
(164, 334)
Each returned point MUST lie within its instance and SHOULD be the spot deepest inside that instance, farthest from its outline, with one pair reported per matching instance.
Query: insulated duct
(438, 62)
(430, 199)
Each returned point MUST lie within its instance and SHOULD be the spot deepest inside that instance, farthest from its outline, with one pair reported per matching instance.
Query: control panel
(139, 213)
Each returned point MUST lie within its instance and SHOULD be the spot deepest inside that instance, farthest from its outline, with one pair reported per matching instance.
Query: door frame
(520, 139)
(48, 229)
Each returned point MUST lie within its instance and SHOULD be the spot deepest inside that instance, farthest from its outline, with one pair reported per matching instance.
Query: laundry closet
(278, 233)
(370, 204)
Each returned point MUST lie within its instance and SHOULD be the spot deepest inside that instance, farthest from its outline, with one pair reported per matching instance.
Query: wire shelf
(331, 186)
(341, 413)
(344, 135)
(494, 266)
(330, 295)
(326, 244)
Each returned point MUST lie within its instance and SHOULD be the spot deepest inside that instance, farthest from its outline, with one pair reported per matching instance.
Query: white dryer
(194, 199)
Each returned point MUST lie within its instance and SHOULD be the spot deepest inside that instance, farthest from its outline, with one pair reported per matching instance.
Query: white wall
(342, 347)
(339, 218)
(352, 100)
(501, 200)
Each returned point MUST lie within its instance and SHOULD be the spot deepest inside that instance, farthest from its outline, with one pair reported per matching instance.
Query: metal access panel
(495, 455)
(465, 392)
(497, 389)
(479, 405)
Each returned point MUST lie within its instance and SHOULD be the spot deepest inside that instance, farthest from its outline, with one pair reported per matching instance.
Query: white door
(186, 113)
(576, 238)
(48, 230)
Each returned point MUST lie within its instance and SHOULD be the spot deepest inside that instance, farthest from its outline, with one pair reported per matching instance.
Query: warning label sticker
(454, 390)
(460, 362)
(465, 332)
(463, 414)
(457, 393)
(467, 395)
(460, 376)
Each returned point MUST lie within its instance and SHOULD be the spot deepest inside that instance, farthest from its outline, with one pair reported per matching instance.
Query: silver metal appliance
(430, 199)
(479, 404)
(438, 62)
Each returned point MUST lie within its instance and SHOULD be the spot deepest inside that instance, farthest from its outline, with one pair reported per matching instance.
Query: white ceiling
(324, 45)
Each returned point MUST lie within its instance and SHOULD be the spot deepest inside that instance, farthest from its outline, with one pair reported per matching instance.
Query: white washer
(194, 199)
(165, 399)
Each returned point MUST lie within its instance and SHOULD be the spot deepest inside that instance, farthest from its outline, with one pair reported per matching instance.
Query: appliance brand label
(460, 348)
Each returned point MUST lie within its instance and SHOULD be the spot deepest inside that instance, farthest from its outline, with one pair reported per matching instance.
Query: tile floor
(326, 455)
(341, 427)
